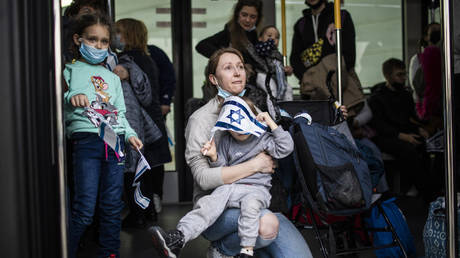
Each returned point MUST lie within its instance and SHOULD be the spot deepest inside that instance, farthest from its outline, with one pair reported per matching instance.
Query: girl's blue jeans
(97, 178)
(289, 243)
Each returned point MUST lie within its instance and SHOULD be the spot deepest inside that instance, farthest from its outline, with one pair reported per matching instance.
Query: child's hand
(121, 72)
(79, 100)
(288, 70)
(209, 150)
(265, 117)
(135, 143)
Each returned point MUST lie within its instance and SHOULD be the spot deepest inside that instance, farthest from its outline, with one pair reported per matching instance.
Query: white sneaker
(214, 253)
(157, 203)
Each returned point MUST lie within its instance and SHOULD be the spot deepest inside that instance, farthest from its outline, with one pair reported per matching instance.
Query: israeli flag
(110, 137)
(236, 116)
(142, 167)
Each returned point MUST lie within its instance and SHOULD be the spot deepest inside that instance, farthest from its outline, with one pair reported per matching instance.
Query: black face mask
(314, 6)
(435, 36)
(398, 86)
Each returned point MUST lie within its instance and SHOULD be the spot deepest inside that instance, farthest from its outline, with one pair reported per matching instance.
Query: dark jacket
(304, 37)
(160, 154)
(167, 76)
(209, 45)
(392, 111)
(137, 93)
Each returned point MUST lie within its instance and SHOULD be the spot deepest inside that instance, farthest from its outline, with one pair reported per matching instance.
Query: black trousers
(410, 158)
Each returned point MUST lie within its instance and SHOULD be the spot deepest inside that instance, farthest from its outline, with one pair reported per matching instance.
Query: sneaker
(167, 244)
(214, 253)
(157, 203)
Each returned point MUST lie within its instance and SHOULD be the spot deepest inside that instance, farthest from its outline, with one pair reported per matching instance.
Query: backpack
(333, 168)
(434, 231)
(398, 221)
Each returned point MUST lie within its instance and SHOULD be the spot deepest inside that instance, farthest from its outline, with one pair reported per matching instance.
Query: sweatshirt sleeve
(279, 143)
(119, 103)
(297, 48)
(75, 86)
(206, 177)
(378, 121)
(222, 151)
(209, 45)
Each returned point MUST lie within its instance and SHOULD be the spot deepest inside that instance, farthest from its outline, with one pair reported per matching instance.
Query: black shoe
(132, 221)
(167, 244)
(244, 256)
(151, 216)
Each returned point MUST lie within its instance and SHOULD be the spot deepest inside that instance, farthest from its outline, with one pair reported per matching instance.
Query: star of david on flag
(236, 116)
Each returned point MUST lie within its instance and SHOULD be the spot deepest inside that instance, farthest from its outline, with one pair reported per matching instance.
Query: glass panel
(378, 26)
(208, 18)
(157, 17)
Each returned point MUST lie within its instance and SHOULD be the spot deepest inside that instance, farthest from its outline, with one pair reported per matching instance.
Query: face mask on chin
(225, 94)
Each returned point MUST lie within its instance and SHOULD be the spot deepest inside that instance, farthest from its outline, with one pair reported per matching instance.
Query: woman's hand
(288, 70)
(266, 118)
(263, 163)
(135, 143)
(209, 150)
(423, 133)
(121, 72)
(79, 100)
(330, 34)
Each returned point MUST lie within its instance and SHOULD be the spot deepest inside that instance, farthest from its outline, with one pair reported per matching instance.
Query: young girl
(250, 194)
(97, 168)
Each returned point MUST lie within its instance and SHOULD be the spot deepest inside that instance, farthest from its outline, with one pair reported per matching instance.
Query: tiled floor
(136, 243)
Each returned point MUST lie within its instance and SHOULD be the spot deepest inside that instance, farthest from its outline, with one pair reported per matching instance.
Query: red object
(112, 256)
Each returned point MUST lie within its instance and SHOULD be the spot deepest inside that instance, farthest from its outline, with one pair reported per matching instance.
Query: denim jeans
(97, 178)
(289, 242)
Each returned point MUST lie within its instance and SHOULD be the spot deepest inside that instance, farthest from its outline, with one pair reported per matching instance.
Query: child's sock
(248, 251)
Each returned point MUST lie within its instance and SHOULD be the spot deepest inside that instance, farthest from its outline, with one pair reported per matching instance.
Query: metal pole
(60, 126)
(451, 207)
(338, 28)
(283, 30)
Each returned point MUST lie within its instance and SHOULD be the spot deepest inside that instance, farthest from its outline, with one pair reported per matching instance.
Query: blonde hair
(134, 32)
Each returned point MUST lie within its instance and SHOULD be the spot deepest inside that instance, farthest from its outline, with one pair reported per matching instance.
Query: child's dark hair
(76, 5)
(268, 27)
(85, 21)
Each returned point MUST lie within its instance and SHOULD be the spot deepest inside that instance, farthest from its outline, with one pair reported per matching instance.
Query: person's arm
(348, 40)
(139, 82)
(209, 178)
(167, 78)
(297, 48)
(279, 143)
(209, 45)
(364, 116)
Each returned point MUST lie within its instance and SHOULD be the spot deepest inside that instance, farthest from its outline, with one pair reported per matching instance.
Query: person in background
(399, 131)
(429, 106)
(167, 87)
(238, 33)
(315, 31)
(131, 37)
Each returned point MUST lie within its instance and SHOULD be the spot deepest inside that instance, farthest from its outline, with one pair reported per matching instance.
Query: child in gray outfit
(250, 194)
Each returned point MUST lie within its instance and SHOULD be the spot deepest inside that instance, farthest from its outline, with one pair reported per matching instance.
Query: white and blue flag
(142, 167)
(236, 116)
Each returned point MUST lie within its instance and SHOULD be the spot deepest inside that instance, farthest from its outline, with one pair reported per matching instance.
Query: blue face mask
(225, 94)
(92, 54)
(116, 43)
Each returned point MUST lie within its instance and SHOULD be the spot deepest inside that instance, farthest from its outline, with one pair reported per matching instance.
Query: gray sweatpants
(249, 198)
